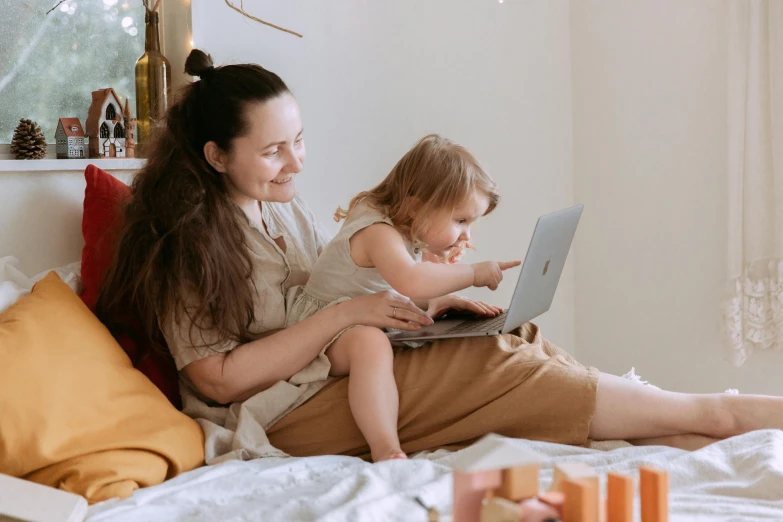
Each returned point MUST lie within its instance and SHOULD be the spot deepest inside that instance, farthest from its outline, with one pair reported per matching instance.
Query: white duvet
(739, 479)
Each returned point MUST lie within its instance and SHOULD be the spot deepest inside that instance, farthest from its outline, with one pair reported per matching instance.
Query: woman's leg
(613, 390)
(365, 354)
(626, 410)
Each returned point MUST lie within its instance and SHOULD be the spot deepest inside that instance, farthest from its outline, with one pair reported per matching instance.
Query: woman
(215, 237)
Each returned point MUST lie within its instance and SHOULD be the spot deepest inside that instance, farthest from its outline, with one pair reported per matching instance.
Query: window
(50, 64)
(119, 132)
(104, 130)
(110, 112)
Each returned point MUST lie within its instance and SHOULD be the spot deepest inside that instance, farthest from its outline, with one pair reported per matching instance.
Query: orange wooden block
(654, 488)
(519, 483)
(581, 501)
(573, 471)
(469, 492)
(577, 471)
(556, 499)
(619, 502)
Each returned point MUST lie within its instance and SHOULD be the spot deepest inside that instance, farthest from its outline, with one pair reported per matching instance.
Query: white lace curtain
(754, 309)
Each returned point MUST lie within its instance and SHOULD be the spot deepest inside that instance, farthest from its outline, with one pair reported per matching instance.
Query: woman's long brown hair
(182, 247)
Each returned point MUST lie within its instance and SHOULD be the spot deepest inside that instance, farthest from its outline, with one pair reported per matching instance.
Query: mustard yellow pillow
(74, 413)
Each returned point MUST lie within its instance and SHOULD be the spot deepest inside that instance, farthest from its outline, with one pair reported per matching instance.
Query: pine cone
(28, 141)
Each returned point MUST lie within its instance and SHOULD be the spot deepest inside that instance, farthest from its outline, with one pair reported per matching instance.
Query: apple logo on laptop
(546, 266)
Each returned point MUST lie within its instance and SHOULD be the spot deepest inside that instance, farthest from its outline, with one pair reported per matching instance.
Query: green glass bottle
(153, 79)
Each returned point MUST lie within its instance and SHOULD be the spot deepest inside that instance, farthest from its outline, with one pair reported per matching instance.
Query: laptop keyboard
(479, 325)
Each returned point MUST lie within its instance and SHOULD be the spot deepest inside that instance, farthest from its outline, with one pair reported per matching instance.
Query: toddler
(427, 204)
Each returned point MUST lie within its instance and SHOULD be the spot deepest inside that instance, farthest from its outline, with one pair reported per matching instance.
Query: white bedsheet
(15, 284)
(739, 479)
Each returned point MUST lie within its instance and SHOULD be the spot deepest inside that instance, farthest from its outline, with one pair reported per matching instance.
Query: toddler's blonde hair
(435, 175)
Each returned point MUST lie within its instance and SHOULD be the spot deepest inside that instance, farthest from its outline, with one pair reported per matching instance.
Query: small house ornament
(109, 127)
(69, 137)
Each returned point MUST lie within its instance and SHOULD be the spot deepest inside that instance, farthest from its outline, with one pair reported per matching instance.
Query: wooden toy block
(573, 471)
(578, 471)
(533, 510)
(469, 491)
(499, 509)
(619, 498)
(581, 501)
(478, 470)
(489, 479)
(654, 490)
(519, 483)
(556, 499)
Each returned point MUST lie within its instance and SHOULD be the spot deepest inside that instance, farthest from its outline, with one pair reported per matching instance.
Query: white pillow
(14, 284)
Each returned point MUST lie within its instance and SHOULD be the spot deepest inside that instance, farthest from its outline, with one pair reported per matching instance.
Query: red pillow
(103, 200)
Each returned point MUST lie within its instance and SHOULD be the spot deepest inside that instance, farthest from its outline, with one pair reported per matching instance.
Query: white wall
(373, 77)
(41, 217)
(649, 83)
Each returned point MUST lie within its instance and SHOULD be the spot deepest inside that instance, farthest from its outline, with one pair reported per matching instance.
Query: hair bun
(198, 63)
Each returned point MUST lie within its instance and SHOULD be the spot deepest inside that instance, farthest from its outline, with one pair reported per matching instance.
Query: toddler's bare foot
(393, 454)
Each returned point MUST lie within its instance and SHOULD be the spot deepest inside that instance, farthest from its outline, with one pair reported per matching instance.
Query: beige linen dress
(238, 431)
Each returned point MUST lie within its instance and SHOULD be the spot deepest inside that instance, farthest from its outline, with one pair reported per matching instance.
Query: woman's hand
(385, 309)
(440, 305)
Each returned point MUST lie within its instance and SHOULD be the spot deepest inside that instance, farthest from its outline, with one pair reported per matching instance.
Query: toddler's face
(449, 230)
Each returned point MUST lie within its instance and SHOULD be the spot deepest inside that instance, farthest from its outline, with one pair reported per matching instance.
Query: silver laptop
(535, 288)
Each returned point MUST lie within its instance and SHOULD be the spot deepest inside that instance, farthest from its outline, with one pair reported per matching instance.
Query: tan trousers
(454, 391)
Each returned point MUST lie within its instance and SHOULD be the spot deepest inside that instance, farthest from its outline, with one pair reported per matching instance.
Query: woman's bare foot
(392, 454)
(750, 412)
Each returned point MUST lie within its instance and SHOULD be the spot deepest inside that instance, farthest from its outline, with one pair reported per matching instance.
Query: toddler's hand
(490, 273)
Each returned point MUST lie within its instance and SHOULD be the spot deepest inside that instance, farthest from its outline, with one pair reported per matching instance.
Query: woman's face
(263, 164)
(448, 230)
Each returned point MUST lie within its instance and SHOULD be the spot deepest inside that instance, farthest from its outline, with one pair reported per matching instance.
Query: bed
(738, 479)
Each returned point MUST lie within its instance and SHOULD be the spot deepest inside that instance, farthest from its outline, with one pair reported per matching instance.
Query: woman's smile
(282, 181)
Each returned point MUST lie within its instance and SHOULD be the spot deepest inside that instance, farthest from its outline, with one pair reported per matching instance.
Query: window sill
(66, 165)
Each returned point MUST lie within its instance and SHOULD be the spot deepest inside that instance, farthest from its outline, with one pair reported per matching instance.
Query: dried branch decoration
(58, 4)
(241, 10)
